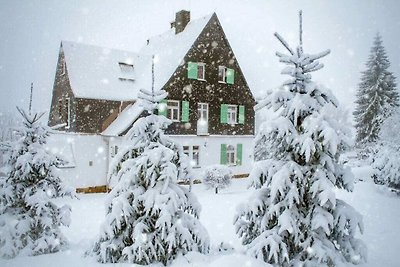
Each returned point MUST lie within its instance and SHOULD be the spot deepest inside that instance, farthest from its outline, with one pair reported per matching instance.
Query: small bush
(217, 177)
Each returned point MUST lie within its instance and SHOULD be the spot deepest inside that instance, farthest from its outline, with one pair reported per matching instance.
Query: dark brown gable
(213, 49)
(62, 110)
(80, 115)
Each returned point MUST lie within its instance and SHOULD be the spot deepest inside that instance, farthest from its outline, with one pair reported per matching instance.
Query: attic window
(127, 72)
(125, 67)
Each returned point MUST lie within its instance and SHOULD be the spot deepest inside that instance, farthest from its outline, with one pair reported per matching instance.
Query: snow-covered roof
(124, 120)
(170, 49)
(102, 73)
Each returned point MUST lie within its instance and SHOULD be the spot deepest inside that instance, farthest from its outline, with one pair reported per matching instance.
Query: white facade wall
(87, 157)
(210, 150)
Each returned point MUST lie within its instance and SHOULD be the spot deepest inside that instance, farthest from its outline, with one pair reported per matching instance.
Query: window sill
(222, 82)
(202, 80)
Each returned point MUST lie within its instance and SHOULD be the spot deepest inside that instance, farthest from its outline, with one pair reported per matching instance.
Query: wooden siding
(213, 49)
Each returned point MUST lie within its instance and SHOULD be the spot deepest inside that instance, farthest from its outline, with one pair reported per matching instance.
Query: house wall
(91, 114)
(210, 149)
(212, 48)
(86, 115)
(87, 157)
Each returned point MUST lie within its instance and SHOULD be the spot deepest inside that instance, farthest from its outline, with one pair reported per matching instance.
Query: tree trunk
(216, 190)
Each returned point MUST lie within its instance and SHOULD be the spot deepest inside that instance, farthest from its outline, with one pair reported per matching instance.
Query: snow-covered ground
(379, 208)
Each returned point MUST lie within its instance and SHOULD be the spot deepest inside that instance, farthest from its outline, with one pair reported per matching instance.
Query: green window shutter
(230, 76)
(223, 154)
(192, 70)
(185, 111)
(241, 114)
(162, 108)
(224, 113)
(239, 152)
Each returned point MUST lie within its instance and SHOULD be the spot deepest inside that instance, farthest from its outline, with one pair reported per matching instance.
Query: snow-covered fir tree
(294, 217)
(29, 220)
(217, 177)
(376, 95)
(150, 218)
(386, 157)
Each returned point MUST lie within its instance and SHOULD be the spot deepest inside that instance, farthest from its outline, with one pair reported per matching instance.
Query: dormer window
(127, 71)
(125, 67)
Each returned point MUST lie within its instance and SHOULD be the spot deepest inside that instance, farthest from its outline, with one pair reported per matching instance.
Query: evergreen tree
(29, 221)
(376, 95)
(150, 218)
(294, 217)
(386, 157)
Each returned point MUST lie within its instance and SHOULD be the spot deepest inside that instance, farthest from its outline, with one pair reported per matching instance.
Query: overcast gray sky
(31, 32)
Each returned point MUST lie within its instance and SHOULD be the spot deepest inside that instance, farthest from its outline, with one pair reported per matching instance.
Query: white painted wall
(87, 156)
(81, 149)
(210, 153)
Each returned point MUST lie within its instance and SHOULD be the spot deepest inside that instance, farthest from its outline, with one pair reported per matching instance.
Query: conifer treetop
(301, 64)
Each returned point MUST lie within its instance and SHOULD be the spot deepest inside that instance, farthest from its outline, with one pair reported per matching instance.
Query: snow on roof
(170, 49)
(102, 73)
(124, 120)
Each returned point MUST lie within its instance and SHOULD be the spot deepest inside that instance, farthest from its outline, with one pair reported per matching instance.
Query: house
(209, 101)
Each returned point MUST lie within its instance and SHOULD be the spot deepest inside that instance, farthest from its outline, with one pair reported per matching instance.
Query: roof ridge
(98, 47)
(190, 22)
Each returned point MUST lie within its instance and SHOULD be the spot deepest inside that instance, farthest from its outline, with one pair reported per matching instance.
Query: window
(231, 155)
(195, 156)
(173, 110)
(186, 150)
(201, 69)
(202, 112)
(232, 114)
(68, 113)
(221, 74)
(226, 75)
(193, 152)
(127, 73)
(114, 151)
(229, 114)
(125, 67)
(63, 67)
(196, 71)
(60, 109)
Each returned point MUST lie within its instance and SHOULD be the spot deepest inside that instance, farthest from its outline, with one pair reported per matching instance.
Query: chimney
(182, 18)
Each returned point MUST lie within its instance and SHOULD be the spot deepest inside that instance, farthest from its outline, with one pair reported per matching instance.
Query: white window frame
(202, 107)
(186, 150)
(114, 150)
(68, 107)
(175, 110)
(191, 151)
(222, 68)
(231, 155)
(231, 112)
(203, 65)
(195, 160)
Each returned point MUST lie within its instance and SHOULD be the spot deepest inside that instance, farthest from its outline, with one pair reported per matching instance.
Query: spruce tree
(386, 157)
(29, 220)
(294, 217)
(376, 96)
(150, 218)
